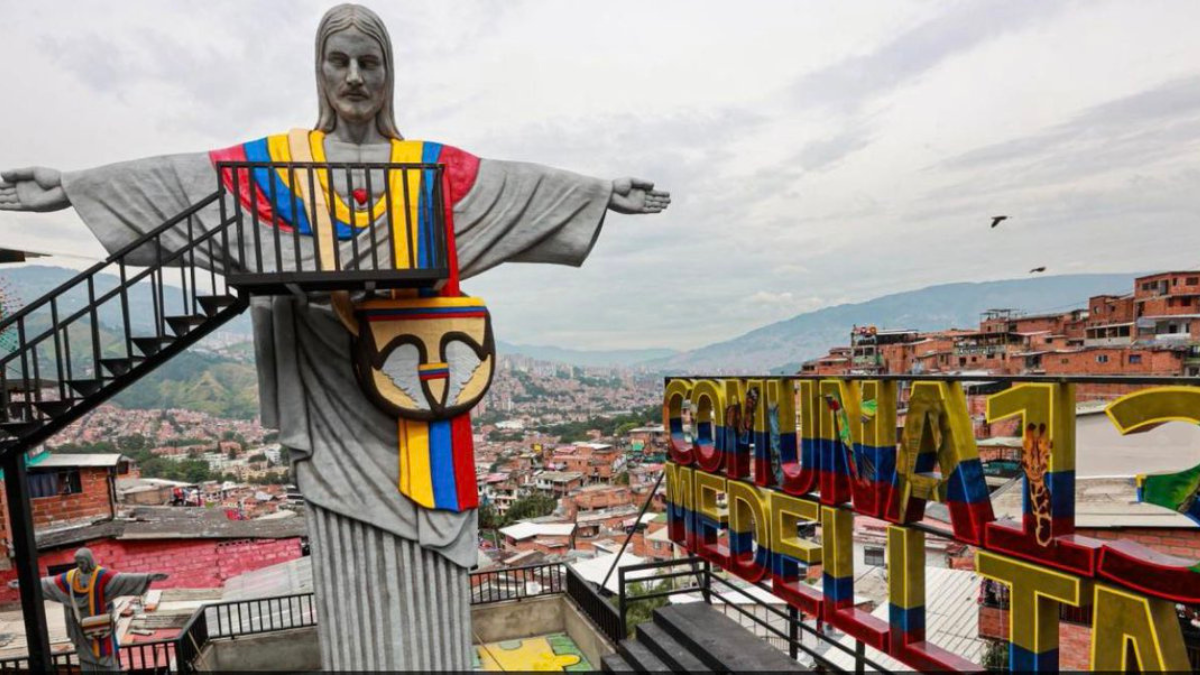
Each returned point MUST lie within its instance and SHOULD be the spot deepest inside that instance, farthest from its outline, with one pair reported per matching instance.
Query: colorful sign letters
(764, 457)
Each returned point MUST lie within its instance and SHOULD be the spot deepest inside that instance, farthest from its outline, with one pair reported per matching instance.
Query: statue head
(355, 78)
(84, 561)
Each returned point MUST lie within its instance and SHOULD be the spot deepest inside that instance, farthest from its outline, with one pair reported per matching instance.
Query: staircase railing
(104, 329)
(85, 340)
(111, 324)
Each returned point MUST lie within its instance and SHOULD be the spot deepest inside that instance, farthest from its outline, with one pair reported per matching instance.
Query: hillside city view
(824, 337)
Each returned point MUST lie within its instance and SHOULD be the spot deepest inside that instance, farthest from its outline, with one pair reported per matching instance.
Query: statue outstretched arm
(36, 188)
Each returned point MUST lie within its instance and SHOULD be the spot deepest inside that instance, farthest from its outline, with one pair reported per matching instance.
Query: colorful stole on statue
(97, 601)
(436, 456)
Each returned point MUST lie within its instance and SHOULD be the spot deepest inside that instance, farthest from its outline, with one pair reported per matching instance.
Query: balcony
(393, 238)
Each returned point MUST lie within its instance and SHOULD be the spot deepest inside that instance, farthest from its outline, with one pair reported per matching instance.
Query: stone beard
(344, 448)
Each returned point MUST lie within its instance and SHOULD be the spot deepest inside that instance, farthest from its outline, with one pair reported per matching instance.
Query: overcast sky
(817, 153)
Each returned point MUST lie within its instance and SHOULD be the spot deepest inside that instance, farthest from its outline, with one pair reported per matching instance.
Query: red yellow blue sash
(98, 602)
(436, 458)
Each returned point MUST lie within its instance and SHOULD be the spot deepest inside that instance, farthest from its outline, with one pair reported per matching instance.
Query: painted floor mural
(556, 652)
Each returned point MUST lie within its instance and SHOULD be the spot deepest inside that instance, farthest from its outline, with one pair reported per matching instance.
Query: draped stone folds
(384, 602)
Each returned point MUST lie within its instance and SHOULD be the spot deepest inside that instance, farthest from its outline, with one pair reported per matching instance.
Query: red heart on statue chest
(360, 196)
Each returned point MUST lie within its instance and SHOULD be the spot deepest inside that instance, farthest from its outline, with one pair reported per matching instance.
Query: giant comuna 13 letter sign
(786, 451)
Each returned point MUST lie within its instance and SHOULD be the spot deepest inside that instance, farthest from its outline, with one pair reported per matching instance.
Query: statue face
(354, 74)
(84, 562)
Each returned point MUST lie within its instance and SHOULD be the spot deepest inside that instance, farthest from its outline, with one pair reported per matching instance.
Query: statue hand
(634, 195)
(33, 189)
(158, 576)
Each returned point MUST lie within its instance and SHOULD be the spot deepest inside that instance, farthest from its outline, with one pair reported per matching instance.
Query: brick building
(596, 497)
(74, 504)
(1155, 330)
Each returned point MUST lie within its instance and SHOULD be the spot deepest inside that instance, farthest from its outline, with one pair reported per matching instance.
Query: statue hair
(343, 17)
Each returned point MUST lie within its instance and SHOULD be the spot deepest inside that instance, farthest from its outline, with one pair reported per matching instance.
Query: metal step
(670, 651)
(56, 407)
(119, 367)
(613, 663)
(152, 345)
(19, 411)
(86, 387)
(718, 641)
(182, 325)
(18, 429)
(212, 304)
(640, 658)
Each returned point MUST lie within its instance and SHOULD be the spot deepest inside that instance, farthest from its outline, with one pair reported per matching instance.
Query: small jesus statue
(87, 592)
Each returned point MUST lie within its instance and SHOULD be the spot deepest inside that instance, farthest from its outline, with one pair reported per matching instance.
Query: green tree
(533, 506)
(641, 611)
(489, 518)
(131, 443)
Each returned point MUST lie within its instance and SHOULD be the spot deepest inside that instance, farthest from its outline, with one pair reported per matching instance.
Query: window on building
(874, 556)
(1192, 281)
(1135, 358)
(54, 483)
(1123, 331)
(1065, 361)
(1102, 358)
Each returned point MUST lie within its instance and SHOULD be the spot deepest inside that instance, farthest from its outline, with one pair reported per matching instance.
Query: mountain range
(776, 347)
(780, 347)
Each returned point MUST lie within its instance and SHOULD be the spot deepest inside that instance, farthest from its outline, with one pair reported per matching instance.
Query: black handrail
(595, 606)
(512, 583)
(111, 259)
(706, 577)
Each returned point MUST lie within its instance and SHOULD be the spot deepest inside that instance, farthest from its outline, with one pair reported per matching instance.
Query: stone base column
(385, 603)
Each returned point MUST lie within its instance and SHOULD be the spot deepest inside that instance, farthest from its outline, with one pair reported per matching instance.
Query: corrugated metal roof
(526, 530)
(73, 461)
(951, 620)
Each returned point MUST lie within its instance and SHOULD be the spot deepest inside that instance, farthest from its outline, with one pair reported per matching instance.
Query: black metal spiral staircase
(84, 341)
(70, 357)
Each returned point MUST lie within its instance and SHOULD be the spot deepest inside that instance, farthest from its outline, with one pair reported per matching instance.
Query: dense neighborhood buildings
(1153, 330)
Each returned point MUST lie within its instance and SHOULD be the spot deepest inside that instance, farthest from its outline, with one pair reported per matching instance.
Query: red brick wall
(1153, 362)
(1177, 542)
(1110, 309)
(192, 563)
(1074, 640)
(93, 501)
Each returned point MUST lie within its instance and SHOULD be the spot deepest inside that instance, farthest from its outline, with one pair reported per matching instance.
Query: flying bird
(996, 220)
(1037, 269)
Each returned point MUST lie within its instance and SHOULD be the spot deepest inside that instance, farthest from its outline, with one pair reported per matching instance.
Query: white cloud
(816, 151)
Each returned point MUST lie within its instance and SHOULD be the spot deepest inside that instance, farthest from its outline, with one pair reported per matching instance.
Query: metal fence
(517, 583)
(391, 234)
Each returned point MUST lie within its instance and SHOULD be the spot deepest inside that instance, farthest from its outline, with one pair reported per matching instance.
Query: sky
(817, 152)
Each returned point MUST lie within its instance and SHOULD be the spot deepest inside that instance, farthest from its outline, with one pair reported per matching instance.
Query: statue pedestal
(385, 603)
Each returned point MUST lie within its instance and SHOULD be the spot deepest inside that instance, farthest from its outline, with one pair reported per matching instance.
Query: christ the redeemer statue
(390, 574)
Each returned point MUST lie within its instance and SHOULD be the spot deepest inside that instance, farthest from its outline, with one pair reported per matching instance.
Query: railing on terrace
(784, 628)
(517, 583)
(182, 653)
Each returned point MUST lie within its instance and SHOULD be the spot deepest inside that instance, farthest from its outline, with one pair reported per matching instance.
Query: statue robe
(92, 598)
(345, 449)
